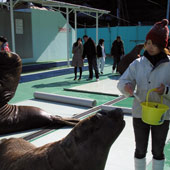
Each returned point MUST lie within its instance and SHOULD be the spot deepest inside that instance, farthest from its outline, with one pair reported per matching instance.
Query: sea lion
(18, 118)
(86, 147)
(129, 58)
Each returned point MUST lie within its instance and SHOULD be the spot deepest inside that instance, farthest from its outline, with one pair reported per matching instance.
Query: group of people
(95, 57)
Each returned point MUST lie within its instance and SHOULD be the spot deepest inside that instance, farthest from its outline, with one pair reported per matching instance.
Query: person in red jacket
(4, 44)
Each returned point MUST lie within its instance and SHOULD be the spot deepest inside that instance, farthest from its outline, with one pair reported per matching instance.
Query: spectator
(4, 44)
(89, 51)
(77, 60)
(117, 51)
(101, 56)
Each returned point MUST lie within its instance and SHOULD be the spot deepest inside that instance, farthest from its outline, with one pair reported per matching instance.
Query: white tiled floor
(107, 86)
(54, 108)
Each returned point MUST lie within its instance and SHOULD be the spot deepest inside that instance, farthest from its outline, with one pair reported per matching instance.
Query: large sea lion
(129, 58)
(86, 147)
(17, 118)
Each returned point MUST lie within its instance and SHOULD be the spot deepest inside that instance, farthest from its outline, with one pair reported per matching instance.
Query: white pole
(12, 25)
(75, 19)
(167, 11)
(68, 54)
(65, 99)
(85, 30)
(97, 26)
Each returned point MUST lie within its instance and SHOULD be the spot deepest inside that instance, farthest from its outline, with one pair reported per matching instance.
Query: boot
(75, 73)
(140, 164)
(80, 73)
(157, 164)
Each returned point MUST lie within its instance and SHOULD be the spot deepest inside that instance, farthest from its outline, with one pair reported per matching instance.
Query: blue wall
(131, 35)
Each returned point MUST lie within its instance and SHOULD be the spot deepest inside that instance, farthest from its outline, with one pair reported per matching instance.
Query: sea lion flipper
(67, 121)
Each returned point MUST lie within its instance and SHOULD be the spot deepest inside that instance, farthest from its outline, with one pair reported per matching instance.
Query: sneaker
(79, 79)
(97, 79)
(75, 78)
(101, 73)
(89, 79)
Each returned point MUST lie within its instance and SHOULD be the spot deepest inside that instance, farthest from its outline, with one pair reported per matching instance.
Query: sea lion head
(104, 126)
(10, 70)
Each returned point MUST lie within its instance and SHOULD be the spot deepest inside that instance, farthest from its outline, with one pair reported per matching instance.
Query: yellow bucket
(153, 113)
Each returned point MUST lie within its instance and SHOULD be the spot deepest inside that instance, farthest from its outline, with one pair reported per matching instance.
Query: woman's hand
(160, 90)
(79, 43)
(128, 88)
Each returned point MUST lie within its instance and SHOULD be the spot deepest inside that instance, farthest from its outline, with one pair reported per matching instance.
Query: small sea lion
(129, 58)
(86, 147)
(18, 118)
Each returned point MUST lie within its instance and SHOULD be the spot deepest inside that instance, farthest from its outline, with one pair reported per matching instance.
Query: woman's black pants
(158, 136)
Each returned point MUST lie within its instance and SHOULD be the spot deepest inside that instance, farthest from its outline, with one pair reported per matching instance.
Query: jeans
(92, 62)
(158, 135)
(101, 63)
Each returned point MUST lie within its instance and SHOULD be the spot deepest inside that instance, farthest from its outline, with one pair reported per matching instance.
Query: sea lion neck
(10, 71)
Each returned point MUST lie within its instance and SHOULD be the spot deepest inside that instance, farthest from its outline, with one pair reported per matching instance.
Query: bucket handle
(147, 97)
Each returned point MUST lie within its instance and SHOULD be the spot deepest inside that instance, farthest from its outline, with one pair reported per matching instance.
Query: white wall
(49, 36)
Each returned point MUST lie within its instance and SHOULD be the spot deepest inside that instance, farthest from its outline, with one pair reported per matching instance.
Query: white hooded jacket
(144, 76)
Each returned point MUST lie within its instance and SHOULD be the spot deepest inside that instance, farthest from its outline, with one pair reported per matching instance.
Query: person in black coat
(117, 51)
(89, 51)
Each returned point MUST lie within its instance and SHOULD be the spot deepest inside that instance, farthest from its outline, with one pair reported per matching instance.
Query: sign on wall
(62, 29)
(19, 26)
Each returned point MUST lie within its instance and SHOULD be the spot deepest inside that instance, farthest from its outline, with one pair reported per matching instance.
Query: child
(147, 72)
(4, 44)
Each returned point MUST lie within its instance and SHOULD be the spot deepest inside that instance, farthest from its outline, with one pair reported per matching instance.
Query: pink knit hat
(159, 33)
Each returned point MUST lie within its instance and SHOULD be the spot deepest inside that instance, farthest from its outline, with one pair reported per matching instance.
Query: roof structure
(50, 3)
(56, 5)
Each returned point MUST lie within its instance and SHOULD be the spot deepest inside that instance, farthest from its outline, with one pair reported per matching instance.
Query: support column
(167, 11)
(68, 51)
(75, 22)
(97, 26)
(12, 25)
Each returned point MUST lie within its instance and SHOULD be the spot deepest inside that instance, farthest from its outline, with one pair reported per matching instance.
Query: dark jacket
(89, 50)
(99, 51)
(117, 48)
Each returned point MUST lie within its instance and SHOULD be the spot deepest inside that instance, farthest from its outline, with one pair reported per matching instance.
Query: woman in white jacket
(147, 72)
